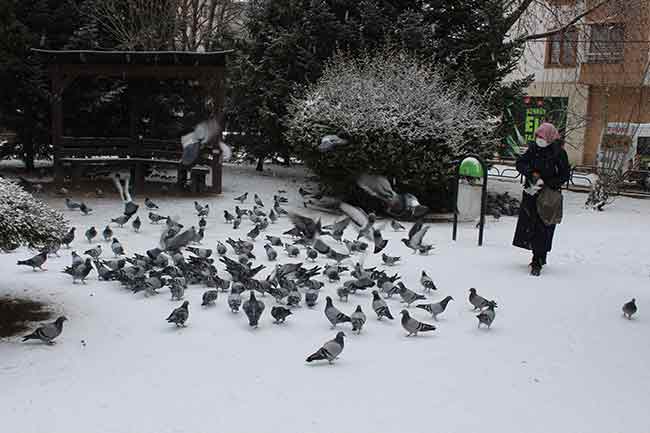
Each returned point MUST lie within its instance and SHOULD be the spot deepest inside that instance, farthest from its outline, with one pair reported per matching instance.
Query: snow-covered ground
(558, 358)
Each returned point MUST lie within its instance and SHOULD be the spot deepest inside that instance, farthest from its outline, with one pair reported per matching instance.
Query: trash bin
(470, 190)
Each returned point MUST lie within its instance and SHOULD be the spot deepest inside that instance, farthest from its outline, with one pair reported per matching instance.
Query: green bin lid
(471, 167)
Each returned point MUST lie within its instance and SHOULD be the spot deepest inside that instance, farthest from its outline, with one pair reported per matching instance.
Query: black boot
(536, 266)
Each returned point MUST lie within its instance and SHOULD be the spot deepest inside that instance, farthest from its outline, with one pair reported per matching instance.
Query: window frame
(564, 45)
(606, 57)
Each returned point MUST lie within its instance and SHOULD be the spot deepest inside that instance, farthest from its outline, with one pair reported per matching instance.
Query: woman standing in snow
(544, 165)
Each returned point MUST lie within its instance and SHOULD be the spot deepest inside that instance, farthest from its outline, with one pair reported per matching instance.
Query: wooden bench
(121, 152)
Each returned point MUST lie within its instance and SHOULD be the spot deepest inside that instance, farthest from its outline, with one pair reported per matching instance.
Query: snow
(558, 358)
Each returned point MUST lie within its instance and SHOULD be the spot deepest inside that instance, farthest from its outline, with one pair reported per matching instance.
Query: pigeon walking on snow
(94, 252)
(380, 307)
(85, 209)
(136, 224)
(47, 333)
(397, 226)
(477, 301)
(388, 260)
(117, 248)
(68, 237)
(107, 233)
(221, 249)
(234, 300)
(209, 297)
(358, 319)
(35, 262)
(150, 203)
(333, 314)
(71, 205)
(121, 220)
(91, 233)
(413, 326)
(79, 271)
(280, 313)
(427, 282)
(258, 200)
(629, 308)
(155, 218)
(242, 198)
(486, 317)
(179, 315)
(330, 350)
(435, 308)
(253, 309)
(408, 296)
(311, 297)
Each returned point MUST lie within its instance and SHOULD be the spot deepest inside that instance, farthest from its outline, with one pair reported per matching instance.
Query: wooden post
(56, 107)
(217, 157)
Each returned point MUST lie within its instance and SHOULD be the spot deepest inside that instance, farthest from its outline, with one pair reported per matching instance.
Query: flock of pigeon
(179, 260)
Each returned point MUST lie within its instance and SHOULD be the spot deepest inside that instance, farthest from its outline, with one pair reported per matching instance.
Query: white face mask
(541, 142)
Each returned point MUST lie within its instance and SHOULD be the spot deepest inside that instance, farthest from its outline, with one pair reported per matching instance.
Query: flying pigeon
(179, 315)
(253, 309)
(427, 282)
(330, 350)
(416, 236)
(209, 297)
(413, 326)
(91, 233)
(629, 308)
(333, 314)
(47, 333)
(280, 313)
(242, 198)
(435, 308)
(358, 319)
(181, 240)
(408, 296)
(477, 301)
(380, 307)
(486, 317)
(136, 224)
(68, 237)
(35, 262)
(150, 204)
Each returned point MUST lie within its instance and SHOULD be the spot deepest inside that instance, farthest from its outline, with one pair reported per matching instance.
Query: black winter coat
(552, 163)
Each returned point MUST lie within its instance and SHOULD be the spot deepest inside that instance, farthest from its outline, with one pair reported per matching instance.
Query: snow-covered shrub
(26, 220)
(401, 120)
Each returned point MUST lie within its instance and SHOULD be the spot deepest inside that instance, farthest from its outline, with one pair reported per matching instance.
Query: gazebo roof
(135, 58)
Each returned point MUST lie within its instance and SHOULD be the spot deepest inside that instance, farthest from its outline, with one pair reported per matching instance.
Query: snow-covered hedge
(401, 120)
(26, 220)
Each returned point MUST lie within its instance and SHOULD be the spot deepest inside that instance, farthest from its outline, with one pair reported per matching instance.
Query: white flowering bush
(25, 219)
(400, 117)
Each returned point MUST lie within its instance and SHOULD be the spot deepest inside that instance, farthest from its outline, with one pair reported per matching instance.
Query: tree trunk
(27, 137)
(260, 164)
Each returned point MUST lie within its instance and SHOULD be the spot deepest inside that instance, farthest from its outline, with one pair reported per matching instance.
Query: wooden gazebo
(133, 151)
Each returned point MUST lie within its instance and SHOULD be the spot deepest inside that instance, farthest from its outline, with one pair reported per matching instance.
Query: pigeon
(204, 212)
(91, 233)
(150, 204)
(308, 228)
(177, 288)
(155, 218)
(209, 297)
(79, 271)
(486, 317)
(333, 314)
(629, 308)
(253, 309)
(254, 233)
(221, 249)
(380, 242)
(280, 313)
(47, 333)
(107, 234)
(427, 282)
(236, 223)
(242, 198)
(279, 210)
(234, 300)
(380, 306)
(198, 237)
(71, 205)
(338, 257)
(312, 254)
(130, 209)
(343, 293)
(76, 259)
(292, 250)
(228, 216)
(68, 237)
(416, 236)
(241, 212)
(35, 262)
(204, 253)
(136, 224)
(280, 199)
(477, 301)
(358, 319)
(274, 240)
(390, 261)
(84, 208)
(293, 298)
(202, 223)
(271, 254)
(121, 220)
(413, 326)
(272, 216)
(181, 240)
(258, 200)
(179, 315)
(397, 226)
(408, 296)
(117, 248)
(330, 350)
(94, 252)
(436, 308)
(311, 297)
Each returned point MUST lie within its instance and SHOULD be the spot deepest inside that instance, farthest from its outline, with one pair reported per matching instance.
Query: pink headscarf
(548, 132)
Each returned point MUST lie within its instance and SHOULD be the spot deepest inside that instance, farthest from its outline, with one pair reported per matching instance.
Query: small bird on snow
(427, 282)
(94, 252)
(242, 198)
(477, 301)
(91, 233)
(330, 350)
(629, 308)
(358, 319)
(413, 326)
(280, 313)
(397, 226)
(35, 262)
(333, 314)
(380, 307)
(47, 333)
(150, 204)
(486, 317)
(107, 233)
(435, 308)
(408, 296)
(179, 315)
(209, 297)
(136, 224)
(253, 309)
(390, 261)
(117, 248)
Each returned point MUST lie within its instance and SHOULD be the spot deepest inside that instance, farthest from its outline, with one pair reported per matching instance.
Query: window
(562, 49)
(606, 44)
